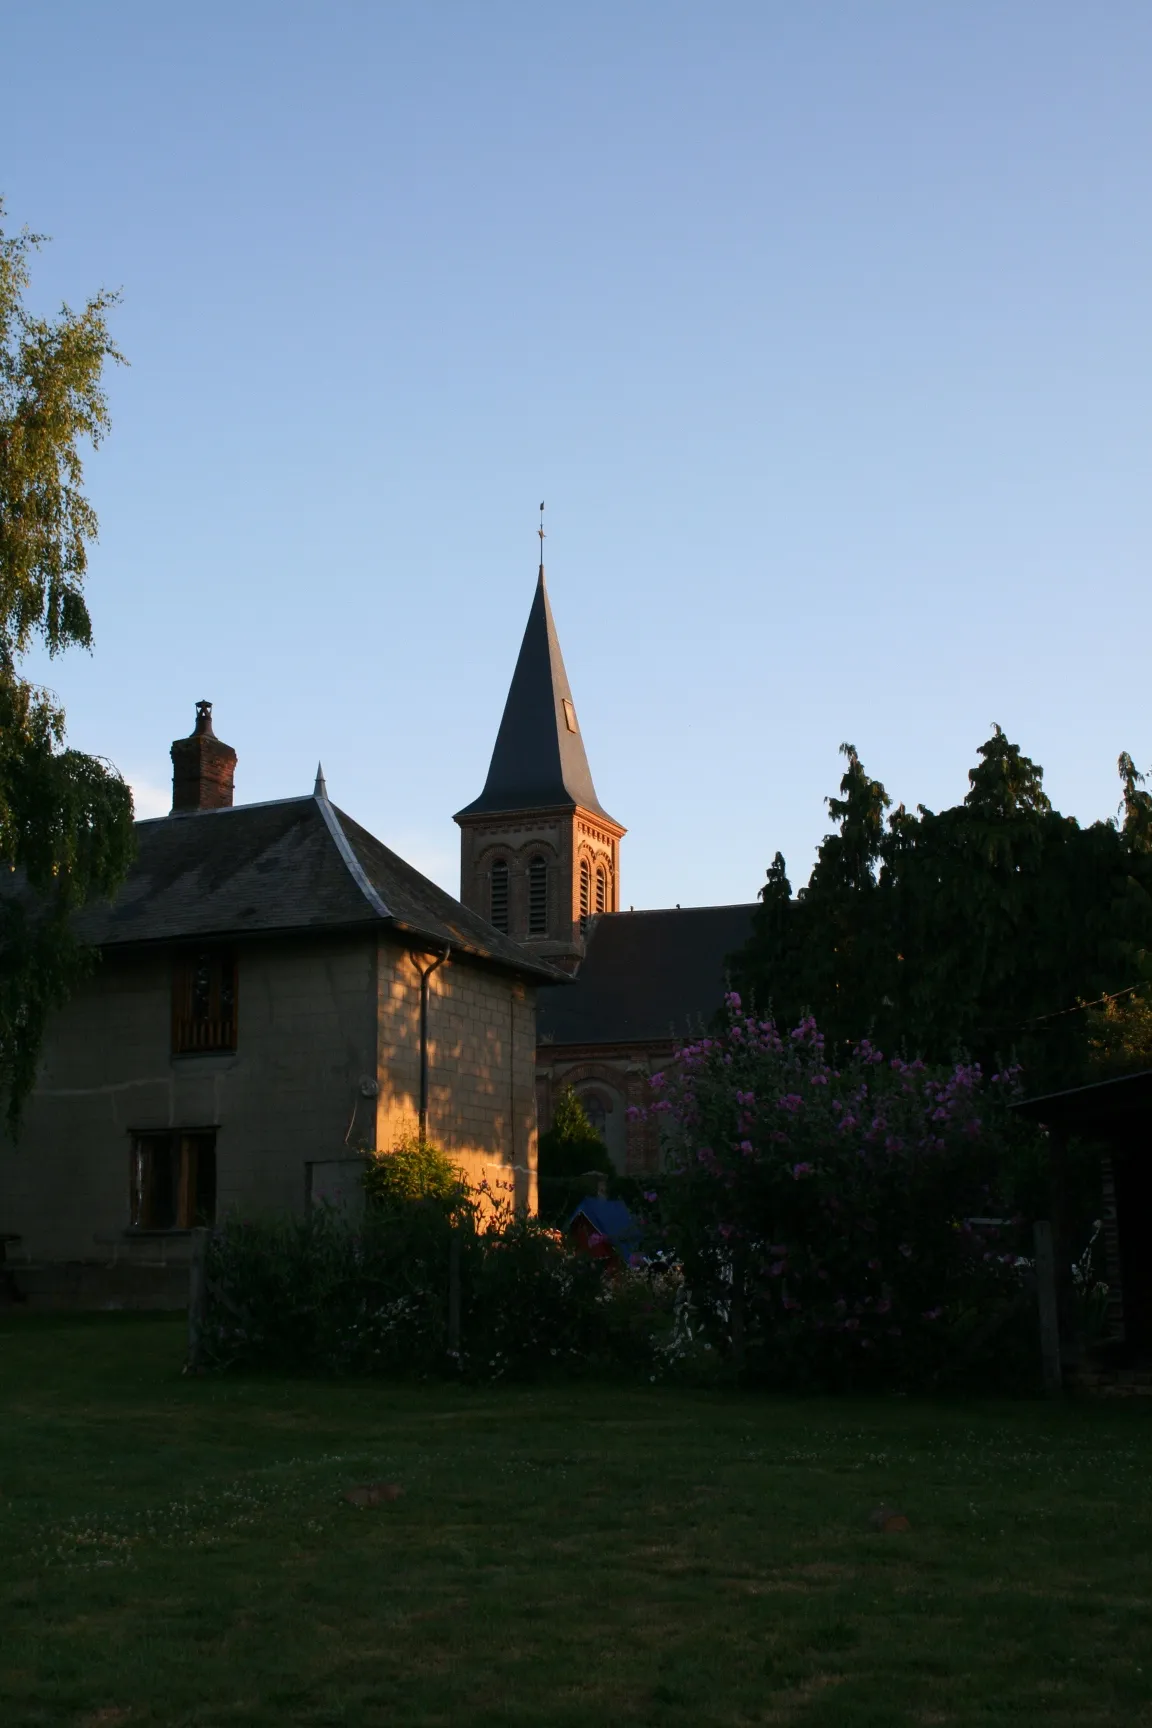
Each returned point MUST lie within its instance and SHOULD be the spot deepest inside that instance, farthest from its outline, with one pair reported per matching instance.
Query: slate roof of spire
(539, 761)
(296, 864)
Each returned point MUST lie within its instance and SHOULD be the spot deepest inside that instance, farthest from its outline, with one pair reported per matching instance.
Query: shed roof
(610, 1218)
(296, 864)
(1095, 1108)
(646, 976)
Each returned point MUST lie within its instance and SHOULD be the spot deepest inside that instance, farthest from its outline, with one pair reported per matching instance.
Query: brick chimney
(202, 767)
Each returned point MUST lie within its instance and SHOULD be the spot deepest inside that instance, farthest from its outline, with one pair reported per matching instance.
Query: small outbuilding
(605, 1229)
(1116, 1115)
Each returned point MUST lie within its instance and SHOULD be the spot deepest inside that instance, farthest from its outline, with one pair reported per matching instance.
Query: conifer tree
(985, 930)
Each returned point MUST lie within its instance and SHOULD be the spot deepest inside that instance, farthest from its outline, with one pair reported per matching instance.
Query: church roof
(297, 864)
(645, 976)
(539, 761)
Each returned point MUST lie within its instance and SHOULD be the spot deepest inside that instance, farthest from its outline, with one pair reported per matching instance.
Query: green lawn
(178, 1551)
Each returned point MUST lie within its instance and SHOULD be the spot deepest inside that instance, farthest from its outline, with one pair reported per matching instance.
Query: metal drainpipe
(425, 973)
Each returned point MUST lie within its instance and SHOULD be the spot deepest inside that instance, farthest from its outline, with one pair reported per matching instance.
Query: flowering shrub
(413, 1169)
(325, 1293)
(831, 1220)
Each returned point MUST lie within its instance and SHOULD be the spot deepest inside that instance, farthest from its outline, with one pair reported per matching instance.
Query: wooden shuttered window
(538, 897)
(203, 1000)
(499, 918)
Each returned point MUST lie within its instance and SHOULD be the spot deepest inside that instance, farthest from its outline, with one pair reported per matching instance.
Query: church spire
(539, 856)
(539, 761)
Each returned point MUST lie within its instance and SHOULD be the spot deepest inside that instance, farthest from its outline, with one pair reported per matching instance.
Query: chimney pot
(203, 768)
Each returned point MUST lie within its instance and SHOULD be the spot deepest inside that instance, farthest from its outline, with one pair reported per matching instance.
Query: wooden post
(454, 1291)
(736, 1311)
(1048, 1305)
(197, 1296)
(1061, 1236)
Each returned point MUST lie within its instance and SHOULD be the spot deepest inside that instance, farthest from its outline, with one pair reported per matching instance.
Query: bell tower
(539, 856)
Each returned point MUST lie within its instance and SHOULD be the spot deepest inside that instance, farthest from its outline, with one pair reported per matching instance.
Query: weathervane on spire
(540, 531)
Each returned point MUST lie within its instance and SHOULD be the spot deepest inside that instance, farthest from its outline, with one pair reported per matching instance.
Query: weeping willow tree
(65, 817)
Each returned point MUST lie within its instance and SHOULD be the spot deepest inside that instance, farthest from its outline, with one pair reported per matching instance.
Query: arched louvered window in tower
(499, 911)
(585, 893)
(538, 897)
(601, 888)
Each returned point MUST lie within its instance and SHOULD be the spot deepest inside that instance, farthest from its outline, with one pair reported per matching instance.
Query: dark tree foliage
(985, 930)
(65, 818)
(571, 1154)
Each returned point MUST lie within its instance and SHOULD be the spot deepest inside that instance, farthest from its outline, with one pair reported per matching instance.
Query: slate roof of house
(645, 976)
(292, 865)
(539, 761)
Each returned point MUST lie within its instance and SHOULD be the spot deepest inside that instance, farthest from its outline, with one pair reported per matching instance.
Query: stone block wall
(286, 1095)
(481, 1066)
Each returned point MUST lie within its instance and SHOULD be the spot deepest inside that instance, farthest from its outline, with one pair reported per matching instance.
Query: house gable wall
(286, 1095)
(481, 1062)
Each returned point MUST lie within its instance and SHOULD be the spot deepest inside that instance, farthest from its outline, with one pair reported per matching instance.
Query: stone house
(276, 989)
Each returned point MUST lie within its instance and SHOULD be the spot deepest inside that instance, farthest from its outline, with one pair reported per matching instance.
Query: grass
(177, 1551)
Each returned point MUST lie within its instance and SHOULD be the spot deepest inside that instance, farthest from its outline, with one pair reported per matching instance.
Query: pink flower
(747, 1148)
(799, 1170)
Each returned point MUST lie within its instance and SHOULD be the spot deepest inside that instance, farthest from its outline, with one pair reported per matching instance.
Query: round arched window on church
(596, 1111)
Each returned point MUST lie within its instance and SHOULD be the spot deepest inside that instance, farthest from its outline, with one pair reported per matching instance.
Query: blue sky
(822, 329)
